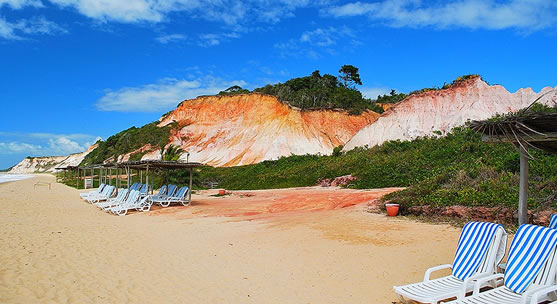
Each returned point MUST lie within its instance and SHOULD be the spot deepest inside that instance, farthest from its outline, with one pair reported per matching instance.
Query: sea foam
(4, 178)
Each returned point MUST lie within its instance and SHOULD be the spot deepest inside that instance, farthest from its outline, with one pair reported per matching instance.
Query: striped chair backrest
(162, 191)
(107, 190)
(531, 250)
(143, 188)
(474, 243)
(132, 197)
(553, 221)
(100, 188)
(125, 193)
(181, 192)
(171, 190)
(121, 194)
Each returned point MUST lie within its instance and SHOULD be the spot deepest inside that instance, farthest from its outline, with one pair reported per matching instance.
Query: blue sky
(73, 71)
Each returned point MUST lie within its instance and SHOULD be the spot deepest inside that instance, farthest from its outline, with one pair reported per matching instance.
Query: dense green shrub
(128, 141)
(456, 169)
(323, 92)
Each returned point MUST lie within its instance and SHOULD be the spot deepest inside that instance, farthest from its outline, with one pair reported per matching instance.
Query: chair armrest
(484, 280)
(468, 281)
(432, 269)
(536, 293)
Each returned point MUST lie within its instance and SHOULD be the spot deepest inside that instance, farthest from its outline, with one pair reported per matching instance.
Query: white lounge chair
(98, 191)
(480, 248)
(530, 273)
(111, 202)
(164, 191)
(131, 200)
(107, 193)
(178, 197)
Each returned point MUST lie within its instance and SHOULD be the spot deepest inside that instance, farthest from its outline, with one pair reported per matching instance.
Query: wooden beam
(523, 194)
(191, 185)
(531, 137)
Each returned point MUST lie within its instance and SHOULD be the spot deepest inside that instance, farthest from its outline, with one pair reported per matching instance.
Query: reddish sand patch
(258, 204)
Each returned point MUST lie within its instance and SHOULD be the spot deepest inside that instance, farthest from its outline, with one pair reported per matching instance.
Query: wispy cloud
(44, 144)
(24, 28)
(312, 43)
(214, 39)
(230, 12)
(528, 15)
(17, 4)
(164, 39)
(162, 95)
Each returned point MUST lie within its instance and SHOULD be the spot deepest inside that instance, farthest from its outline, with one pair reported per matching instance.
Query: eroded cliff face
(49, 163)
(442, 110)
(250, 128)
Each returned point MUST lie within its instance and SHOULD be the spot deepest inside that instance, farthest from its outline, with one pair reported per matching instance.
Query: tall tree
(350, 76)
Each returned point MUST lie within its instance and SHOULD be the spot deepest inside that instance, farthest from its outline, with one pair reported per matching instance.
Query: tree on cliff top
(323, 91)
(350, 76)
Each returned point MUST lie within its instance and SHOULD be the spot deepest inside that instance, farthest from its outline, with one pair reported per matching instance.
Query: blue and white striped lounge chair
(107, 193)
(530, 273)
(553, 221)
(481, 247)
(122, 194)
(98, 191)
(123, 208)
(178, 197)
(164, 192)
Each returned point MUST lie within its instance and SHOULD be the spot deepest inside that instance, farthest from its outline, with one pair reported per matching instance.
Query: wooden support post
(523, 194)
(147, 178)
(77, 179)
(191, 185)
(128, 172)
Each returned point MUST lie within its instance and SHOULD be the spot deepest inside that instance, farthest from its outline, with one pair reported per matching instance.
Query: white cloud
(310, 41)
(44, 144)
(17, 147)
(33, 26)
(63, 145)
(325, 36)
(170, 38)
(487, 14)
(230, 12)
(18, 4)
(214, 39)
(161, 96)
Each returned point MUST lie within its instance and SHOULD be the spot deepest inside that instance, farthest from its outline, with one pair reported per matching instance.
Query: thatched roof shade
(142, 164)
(66, 168)
(537, 130)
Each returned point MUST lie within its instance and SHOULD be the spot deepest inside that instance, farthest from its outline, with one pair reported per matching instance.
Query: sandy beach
(309, 245)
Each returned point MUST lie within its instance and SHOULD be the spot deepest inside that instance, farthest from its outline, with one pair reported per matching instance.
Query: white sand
(55, 248)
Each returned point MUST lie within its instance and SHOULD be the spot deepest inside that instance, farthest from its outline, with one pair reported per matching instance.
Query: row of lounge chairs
(136, 197)
(529, 274)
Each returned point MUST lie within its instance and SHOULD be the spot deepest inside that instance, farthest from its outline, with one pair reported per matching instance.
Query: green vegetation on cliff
(323, 92)
(458, 169)
(128, 141)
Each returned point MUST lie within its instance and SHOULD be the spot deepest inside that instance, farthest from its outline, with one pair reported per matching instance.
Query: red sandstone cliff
(250, 128)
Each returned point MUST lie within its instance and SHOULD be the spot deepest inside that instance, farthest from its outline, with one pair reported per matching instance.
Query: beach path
(307, 245)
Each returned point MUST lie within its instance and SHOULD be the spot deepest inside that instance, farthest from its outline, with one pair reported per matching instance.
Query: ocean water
(12, 177)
